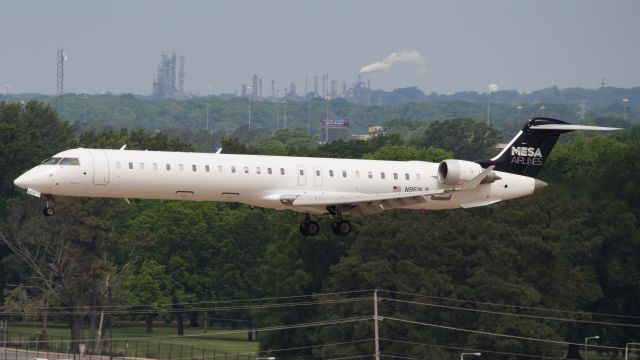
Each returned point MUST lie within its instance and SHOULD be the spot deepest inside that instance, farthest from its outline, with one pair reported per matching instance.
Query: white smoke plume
(397, 57)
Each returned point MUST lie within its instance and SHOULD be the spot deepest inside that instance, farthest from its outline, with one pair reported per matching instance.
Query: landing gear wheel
(341, 227)
(309, 228)
(48, 211)
(48, 206)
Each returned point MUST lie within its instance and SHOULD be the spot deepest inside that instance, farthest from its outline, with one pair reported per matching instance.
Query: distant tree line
(574, 247)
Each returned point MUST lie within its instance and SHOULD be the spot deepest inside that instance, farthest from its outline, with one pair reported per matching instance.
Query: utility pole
(376, 334)
(102, 318)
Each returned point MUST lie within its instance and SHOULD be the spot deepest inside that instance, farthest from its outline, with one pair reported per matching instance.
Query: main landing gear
(309, 227)
(48, 207)
(338, 226)
(341, 227)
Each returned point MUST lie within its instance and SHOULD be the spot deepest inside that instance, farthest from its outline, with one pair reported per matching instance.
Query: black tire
(341, 227)
(309, 228)
(303, 229)
(312, 228)
(48, 211)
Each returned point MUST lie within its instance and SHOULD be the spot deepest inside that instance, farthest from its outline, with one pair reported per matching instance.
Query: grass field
(163, 341)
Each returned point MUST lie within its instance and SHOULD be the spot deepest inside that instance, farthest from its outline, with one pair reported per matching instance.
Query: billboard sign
(335, 123)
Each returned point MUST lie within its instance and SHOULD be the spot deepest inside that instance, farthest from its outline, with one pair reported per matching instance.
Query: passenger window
(258, 171)
(70, 161)
(382, 175)
(206, 168)
(269, 171)
(331, 173)
(301, 172)
(418, 177)
(395, 176)
(317, 172)
(246, 169)
(370, 175)
(344, 173)
(406, 176)
(219, 168)
(233, 169)
(168, 167)
(282, 171)
(141, 166)
(118, 165)
(357, 174)
(194, 168)
(130, 165)
(181, 167)
(155, 166)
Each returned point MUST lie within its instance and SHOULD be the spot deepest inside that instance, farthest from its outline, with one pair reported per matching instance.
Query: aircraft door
(302, 177)
(317, 175)
(100, 167)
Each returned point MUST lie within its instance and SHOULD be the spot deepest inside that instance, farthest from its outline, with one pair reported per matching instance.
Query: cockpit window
(51, 161)
(70, 161)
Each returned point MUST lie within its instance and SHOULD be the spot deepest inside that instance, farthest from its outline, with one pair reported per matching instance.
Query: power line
(511, 306)
(230, 332)
(512, 314)
(316, 346)
(399, 356)
(172, 310)
(467, 349)
(497, 334)
(214, 302)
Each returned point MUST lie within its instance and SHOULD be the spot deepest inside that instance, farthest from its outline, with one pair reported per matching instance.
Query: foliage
(574, 247)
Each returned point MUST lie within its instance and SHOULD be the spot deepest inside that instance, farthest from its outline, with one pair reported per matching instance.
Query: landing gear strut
(48, 207)
(338, 226)
(309, 227)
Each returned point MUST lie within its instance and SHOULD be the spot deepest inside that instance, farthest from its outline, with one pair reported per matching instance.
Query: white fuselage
(252, 179)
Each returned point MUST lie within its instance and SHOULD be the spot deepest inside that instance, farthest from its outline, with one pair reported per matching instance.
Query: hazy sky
(521, 45)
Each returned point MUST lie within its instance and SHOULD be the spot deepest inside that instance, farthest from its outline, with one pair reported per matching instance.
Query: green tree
(408, 153)
(467, 139)
(148, 289)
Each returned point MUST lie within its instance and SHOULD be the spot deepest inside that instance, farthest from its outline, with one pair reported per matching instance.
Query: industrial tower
(61, 59)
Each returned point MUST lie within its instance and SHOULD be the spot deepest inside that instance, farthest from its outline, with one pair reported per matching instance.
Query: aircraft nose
(21, 181)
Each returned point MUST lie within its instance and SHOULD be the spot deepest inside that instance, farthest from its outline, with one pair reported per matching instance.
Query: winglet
(123, 147)
(219, 151)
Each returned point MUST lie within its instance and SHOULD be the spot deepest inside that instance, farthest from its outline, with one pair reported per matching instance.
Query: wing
(364, 204)
(358, 204)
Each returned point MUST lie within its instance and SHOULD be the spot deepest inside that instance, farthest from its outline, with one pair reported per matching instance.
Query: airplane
(314, 186)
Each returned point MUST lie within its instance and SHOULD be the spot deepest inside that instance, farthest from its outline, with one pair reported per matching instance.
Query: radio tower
(62, 58)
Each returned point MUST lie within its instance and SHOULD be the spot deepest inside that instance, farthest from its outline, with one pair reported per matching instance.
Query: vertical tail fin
(529, 149)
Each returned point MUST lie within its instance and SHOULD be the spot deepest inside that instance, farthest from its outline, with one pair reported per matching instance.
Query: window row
(383, 175)
(194, 168)
(258, 170)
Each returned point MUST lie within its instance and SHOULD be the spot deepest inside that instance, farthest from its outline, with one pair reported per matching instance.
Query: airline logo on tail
(526, 155)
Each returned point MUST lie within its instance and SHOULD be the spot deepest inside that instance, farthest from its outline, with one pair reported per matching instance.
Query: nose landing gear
(48, 207)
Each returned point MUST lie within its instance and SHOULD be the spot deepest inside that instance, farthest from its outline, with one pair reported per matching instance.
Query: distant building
(373, 131)
(167, 82)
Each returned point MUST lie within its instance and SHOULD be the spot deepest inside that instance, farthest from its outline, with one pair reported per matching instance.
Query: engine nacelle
(453, 172)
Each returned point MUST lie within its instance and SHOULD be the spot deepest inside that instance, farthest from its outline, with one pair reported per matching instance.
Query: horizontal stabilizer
(571, 127)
